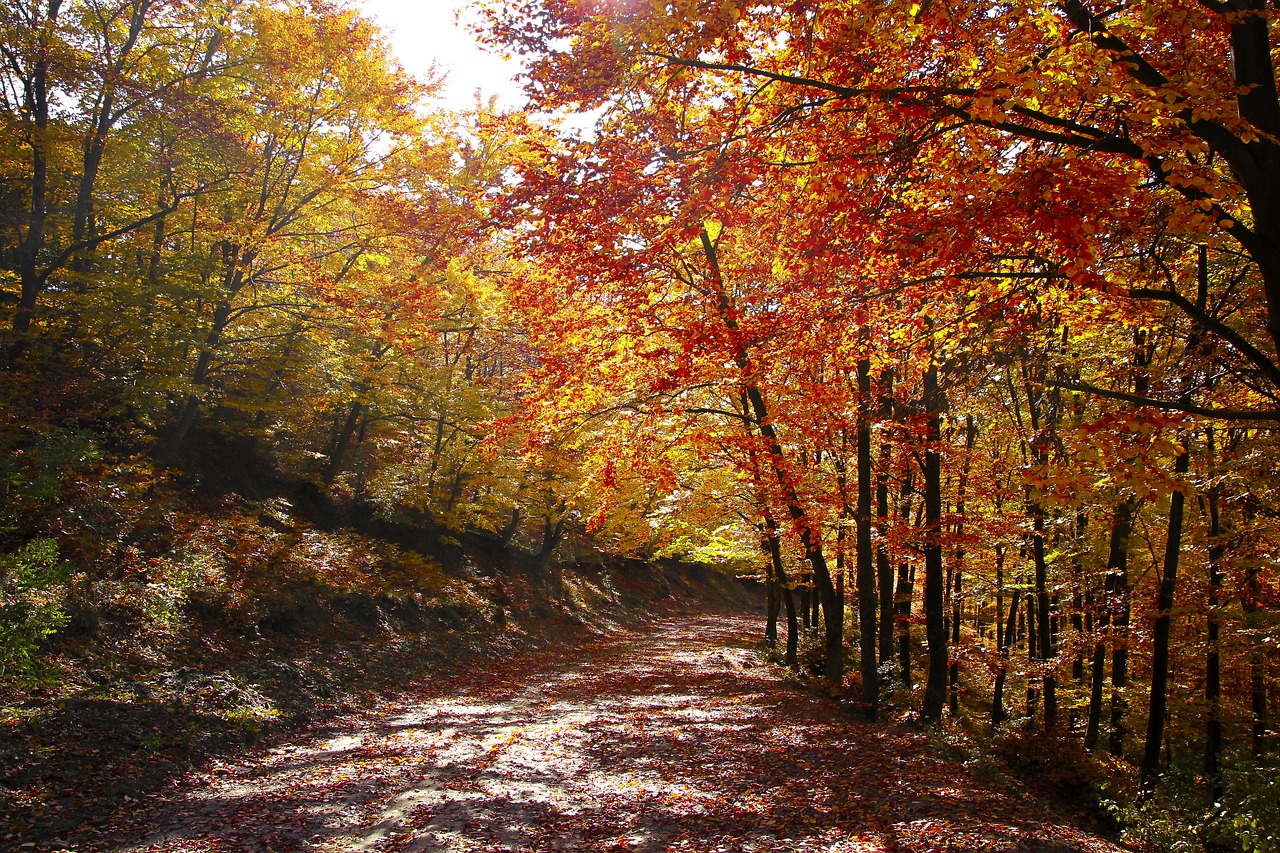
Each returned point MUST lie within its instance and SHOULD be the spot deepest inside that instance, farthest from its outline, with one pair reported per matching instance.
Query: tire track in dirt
(667, 738)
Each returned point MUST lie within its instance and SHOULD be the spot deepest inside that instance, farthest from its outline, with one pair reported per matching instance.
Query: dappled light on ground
(669, 739)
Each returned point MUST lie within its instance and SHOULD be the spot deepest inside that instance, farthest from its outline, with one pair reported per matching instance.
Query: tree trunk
(957, 598)
(509, 532)
(1078, 607)
(904, 592)
(998, 714)
(935, 692)
(344, 441)
(1097, 671)
(234, 280)
(1164, 623)
(774, 546)
(772, 608)
(810, 538)
(1044, 649)
(866, 571)
(1033, 657)
(1118, 572)
(1212, 664)
(31, 282)
(884, 568)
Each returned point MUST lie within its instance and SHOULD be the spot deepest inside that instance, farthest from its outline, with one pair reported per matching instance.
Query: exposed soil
(665, 737)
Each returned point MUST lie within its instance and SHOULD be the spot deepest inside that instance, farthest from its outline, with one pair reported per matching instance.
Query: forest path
(667, 738)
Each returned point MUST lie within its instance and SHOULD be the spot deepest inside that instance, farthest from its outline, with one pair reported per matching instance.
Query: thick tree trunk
(509, 532)
(552, 533)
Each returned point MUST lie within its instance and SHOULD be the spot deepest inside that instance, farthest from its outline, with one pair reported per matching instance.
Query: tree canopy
(958, 325)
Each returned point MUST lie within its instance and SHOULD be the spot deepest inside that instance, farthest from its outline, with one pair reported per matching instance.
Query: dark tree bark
(1164, 622)
(508, 533)
(957, 598)
(35, 108)
(1033, 658)
(935, 692)
(774, 546)
(772, 608)
(1097, 671)
(884, 568)
(1004, 638)
(866, 571)
(905, 590)
(1078, 599)
(344, 441)
(1118, 581)
(1212, 664)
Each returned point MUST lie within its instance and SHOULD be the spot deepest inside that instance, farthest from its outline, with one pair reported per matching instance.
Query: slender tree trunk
(31, 282)
(1078, 608)
(1212, 664)
(810, 538)
(957, 595)
(1097, 672)
(1257, 665)
(866, 571)
(774, 546)
(234, 279)
(344, 441)
(1118, 569)
(1033, 658)
(1045, 652)
(998, 713)
(1164, 623)
(772, 609)
(884, 568)
(905, 591)
(935, 692)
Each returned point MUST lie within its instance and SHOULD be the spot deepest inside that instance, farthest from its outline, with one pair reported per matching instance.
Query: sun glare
(436, 34)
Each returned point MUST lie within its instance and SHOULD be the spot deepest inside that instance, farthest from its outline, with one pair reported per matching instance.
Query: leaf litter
(670, 737)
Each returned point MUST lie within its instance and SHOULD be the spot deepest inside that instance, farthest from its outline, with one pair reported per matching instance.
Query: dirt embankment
(130, 716)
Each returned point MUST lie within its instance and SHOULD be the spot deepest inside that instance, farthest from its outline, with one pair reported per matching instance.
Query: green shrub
(1250, 808)
(32, 598)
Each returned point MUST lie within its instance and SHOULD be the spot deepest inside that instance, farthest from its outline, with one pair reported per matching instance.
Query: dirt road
(669, 738)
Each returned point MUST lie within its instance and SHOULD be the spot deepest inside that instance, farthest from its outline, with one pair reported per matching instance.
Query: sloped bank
(236, 670)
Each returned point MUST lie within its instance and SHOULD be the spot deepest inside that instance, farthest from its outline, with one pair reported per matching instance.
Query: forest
(955, 327)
